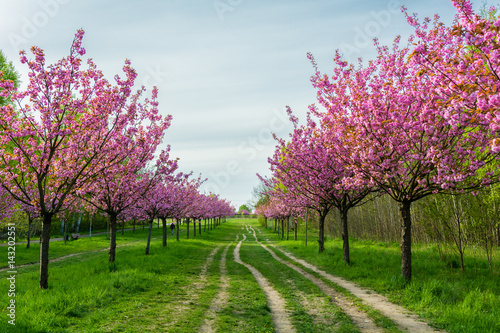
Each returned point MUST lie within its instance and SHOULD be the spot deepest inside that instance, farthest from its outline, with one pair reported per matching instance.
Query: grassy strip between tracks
(380, 320)
(158, 292)
(310, 309)
(85, 244)
(163, 292)
(441, 294)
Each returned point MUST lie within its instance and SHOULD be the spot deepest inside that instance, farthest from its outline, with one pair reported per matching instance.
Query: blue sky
(225, 69)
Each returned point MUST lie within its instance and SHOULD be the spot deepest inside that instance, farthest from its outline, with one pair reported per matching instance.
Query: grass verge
(138, 293)
(311, 311)
(58, 249)
(444, 296)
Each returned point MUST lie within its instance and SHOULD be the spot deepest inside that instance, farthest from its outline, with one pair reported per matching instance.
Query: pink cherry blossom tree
(182, 198)
(7, 204)
(464, 62)
(190, 203)
(118, 186)
(152, 198)
(405, 137)
(173, 197)
(59, 136)
(308, 173)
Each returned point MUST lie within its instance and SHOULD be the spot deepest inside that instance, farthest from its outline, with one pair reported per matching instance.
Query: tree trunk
(150, 229)
(345, 235)
(199, 227)
(177, 222)
(112, 242)
(321, 232)
(78, 224)
(282, 229)
(90, 229)
(287, 227)
(187, 229)
(305, 233)
(265, 221)
(30, 220)
(462, 265)
(459, 239)
(65, 230)
(44, 250)
(164, 222)
(295, 230)
(404, 209)
(194, 228)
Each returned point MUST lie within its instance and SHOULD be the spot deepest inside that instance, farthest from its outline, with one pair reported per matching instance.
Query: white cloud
(222, 80)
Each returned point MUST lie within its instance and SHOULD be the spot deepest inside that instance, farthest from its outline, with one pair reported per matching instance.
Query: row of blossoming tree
(418, 120)
(75, 141)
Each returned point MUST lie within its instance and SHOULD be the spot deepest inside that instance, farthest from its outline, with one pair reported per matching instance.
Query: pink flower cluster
(74, 140)
(418, 120)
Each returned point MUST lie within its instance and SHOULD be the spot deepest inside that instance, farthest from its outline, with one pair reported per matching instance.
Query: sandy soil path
(359, 318)
(73, 255)
(281, 318)
(220, 299)
(192, 294)
(402, 317)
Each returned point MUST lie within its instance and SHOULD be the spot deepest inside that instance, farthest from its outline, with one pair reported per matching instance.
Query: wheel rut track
(195, 288)
(405, 320)
(74, 255)
(281, 318)
(359, 318)
(220, 299)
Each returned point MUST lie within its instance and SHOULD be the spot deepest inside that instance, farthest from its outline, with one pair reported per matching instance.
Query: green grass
(58, 248)
(446, 297)
(22, 238)
(380, 320)
(138, 293)
(159, 292)
(295, 289)
(247, 309)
